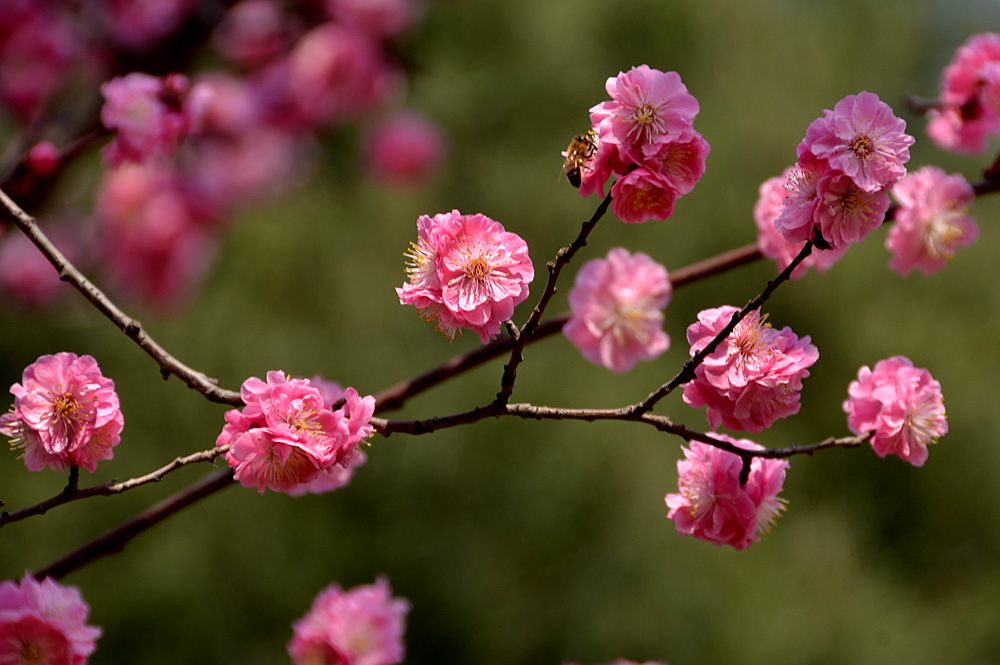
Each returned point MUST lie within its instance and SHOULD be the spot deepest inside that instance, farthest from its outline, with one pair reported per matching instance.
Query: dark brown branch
(72, 493)
(116, 539)
(131, 327)
(563, 257)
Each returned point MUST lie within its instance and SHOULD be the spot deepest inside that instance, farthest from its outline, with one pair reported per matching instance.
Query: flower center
(477, 269)
(748, 337)
(863, 146)
(645, 123)
(631, 320)
(698, 492)
(419, 262)
(924, 421)
(941, 235)
(66, 407)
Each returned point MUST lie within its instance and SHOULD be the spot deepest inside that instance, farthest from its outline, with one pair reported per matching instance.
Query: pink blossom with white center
(648, 108)
(642, 195)
(772, 243)
(796, 219)
(466, 271)
(149, 115)
(845, 213)
(901, 404)
(287, 436)
(44, 623)
(712, 506)
(753, 377)
(617, 310)
(931, 222)
(361, 626)
(862, 138)
(405, 150)
(969, 114)
(66, 413)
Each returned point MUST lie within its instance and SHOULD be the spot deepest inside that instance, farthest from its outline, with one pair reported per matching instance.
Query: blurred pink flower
(44, 623)
(845, 213)
(901, 404)
(405, 150)
(770, 241)
(931, 222)
(863, 139)
(362, 626)
(712, 506)
(66, 413)
(149, 115)
(617, 310)
(466, 271)
(382, 18)
(253, 32)
(136, 24)
(642, 195)
(970, 84)
(753, 377)
(287, 435)
(26, 275)
(335, 74)
(153, 242)
(42, 159)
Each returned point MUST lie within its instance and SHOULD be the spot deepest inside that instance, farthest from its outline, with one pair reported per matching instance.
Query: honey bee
(579, 150)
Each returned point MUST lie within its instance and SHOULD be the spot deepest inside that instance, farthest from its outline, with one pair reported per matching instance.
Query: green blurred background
(525, 542)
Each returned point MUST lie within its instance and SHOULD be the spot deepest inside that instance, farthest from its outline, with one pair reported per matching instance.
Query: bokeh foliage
(524, 542)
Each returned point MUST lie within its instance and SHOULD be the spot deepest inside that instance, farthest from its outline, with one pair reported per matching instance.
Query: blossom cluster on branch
(468, 272)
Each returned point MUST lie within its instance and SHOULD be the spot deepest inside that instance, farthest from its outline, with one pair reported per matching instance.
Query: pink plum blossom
(149, 115)
(753, 377)
(44, 623)
(287, 436)
(968, 114)
(466, 271)
(338, 475)
(42, 159)
(645, 137)
(862, 139)
(931, 221)
(361, 626)
(648, 108)
(845, 213)
(642, 195)
(405, 150)
(711, 505)
(617, 310)
(66, 413)
(772, 243)
(901, 404)
(136, 24)
(26, 275)
(796, 220)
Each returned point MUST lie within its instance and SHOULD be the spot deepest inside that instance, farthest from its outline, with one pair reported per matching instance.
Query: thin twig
(116, 539)
(131, 327)
(72, 493)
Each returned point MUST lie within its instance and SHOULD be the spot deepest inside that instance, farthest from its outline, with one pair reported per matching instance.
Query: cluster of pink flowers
(616, 309)
(772, 244)
(847, 163)
(44, 623)
(753, 377)
(969, 100)
(901, 404)
(149, 115)
(466, 271)
(287, 436)
(646, 138)
(249, 131)
(932, 220)
(362, 626)
(66, 413)
(712, 505)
